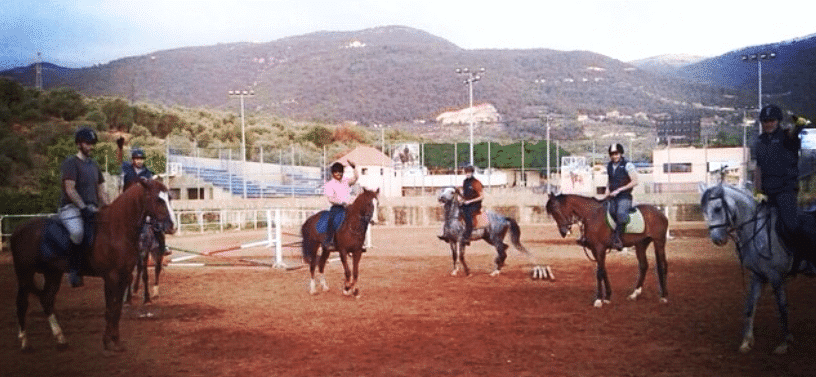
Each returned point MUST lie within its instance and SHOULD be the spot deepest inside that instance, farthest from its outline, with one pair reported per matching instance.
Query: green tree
(64, 103)
(319, 136)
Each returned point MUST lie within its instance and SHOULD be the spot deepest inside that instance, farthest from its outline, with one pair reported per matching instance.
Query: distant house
(376, 170)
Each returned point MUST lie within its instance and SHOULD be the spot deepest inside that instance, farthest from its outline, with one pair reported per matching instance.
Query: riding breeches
(619, 208)
(785, 203)
(71, 218)
(467, 212)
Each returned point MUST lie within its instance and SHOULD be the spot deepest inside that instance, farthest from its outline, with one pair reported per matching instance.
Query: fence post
(278, 240)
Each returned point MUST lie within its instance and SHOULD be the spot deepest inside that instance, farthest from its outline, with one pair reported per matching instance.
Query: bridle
(732, 230)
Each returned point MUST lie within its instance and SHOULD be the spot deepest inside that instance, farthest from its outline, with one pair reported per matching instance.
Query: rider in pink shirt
(338, 191)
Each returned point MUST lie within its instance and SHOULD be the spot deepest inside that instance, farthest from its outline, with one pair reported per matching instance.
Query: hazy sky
(79, 33)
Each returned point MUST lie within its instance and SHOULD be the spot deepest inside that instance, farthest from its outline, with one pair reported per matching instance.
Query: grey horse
(733, 212)
(498, 226)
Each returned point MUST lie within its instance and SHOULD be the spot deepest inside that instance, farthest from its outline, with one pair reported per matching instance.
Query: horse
(112, 257)
(348, 240)
(492, 232)
(150, 246)
(733, 213)
(569, 209)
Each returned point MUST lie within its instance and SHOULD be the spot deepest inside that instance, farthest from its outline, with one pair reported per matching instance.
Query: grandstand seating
(302, 185)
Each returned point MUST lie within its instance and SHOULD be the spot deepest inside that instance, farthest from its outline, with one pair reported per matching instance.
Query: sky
(80, 33)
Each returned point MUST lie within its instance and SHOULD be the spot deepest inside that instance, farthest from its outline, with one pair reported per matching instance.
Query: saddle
(56, 240)
(635, 224)
(480, 219)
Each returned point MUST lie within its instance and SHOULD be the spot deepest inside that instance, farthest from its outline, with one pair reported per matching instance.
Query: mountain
(666, 64)
(787, 80)
(383, 75)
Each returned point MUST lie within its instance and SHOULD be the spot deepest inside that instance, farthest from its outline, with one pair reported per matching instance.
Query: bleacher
(301, 185)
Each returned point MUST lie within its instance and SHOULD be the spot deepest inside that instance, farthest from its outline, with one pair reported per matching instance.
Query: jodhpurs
(71, 218)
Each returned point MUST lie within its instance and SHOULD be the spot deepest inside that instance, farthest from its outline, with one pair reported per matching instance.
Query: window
(675, 167)
(195, 193)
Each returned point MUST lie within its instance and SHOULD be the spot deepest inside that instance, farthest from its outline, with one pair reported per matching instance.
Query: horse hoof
(745, 347)
(781, 349)
(495, 273)
(356, 292)
(598, 304)
(664, 300)
(62, 346)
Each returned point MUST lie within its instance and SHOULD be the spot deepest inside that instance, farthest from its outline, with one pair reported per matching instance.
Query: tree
(64, 103)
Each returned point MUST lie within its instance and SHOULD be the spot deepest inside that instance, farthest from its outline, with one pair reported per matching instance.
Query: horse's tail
(515, 237)
(306, 245)
(22, 262)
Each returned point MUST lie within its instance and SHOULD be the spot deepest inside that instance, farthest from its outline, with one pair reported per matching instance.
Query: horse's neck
(127, 211)
(583, 207)
(451, 210)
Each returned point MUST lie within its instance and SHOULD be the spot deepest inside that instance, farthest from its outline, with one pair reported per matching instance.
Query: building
(683, 128)
(681, 169)
(376, 170)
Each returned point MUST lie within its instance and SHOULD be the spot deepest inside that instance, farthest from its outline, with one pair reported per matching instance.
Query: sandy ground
(229, 314)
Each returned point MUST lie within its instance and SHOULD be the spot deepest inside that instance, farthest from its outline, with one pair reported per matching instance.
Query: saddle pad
(322, 225)
(480, 220)
(635, 224)
(55, 240)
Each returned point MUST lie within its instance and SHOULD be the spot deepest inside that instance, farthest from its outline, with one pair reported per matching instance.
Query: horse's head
(719, 212)
(157, 206)
(366, 205)
(447, 195)
(555, 209)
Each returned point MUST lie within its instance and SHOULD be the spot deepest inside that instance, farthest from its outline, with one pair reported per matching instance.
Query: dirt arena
(414, 319)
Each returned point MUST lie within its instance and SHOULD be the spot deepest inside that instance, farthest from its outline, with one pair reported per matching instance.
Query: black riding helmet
(137, 153)
(770, 112)
(85, 134)
(616, 148)
(337, 168)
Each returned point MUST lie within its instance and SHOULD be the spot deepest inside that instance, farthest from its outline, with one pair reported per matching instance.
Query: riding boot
(74, 265)
(617, 244)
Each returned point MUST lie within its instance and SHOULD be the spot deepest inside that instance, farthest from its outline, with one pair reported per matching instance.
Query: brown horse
(112, 257)
(348, 240)
(590, 212)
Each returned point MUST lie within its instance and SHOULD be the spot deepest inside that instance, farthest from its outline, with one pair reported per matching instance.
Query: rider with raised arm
(622, 178)
(338, 192)
(83, 192)
(777, 175)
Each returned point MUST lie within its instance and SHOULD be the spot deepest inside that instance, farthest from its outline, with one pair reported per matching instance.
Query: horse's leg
(455, 255)
(662, 267)
(158, 256)
(355, 264)
(778, 285)
(324, 257)
(346, 272)
(145, 275)
(501, 250)
(47, 298)
(313, 263)
(115, 284)
(750, 311)
(462, 249)
(643, 267)
(25, 281)
(604, 293)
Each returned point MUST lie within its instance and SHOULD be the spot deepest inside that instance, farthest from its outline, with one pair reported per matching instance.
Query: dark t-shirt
(87, 176)
(778, 157)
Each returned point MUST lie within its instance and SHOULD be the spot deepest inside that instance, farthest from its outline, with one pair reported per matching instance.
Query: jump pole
(273, 240)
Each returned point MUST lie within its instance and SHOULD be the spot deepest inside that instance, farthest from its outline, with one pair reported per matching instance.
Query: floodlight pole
(469, 80)
(241, 94)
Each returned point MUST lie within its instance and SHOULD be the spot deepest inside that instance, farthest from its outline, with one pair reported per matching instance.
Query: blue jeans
(619, 207)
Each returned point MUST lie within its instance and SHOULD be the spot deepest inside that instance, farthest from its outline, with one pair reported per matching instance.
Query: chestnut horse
(112, 257)
(348, 240)
(567, 209)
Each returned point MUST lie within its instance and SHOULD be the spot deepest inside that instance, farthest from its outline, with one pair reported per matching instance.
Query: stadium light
(241, 94)
(472, 76)
(758, 58)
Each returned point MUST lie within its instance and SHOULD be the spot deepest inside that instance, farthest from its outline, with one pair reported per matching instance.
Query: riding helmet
(470, 169)
(770, 112)
(137, 153)
(85, 134)
(616, 148)
(337, 167)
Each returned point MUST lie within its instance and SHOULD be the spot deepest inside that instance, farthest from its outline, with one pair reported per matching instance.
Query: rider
(132, 172)
(472, 191)
(338, 191)
(777, 173)
(83, 192)
(622, 178)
